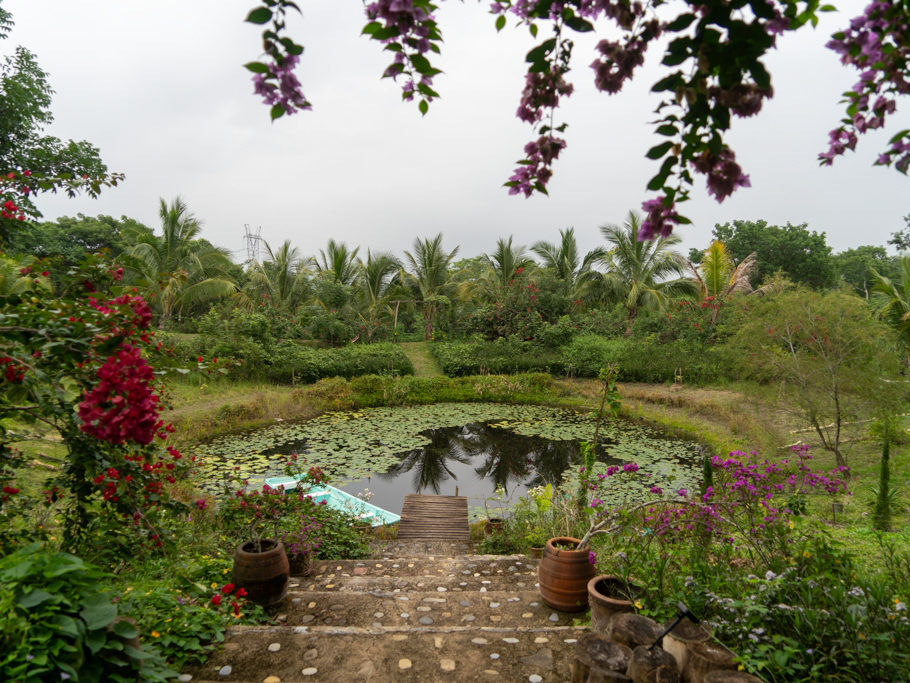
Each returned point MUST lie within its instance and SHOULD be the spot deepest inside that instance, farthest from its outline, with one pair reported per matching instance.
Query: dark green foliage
(56, 618)
(292, 363)
(855, 267)
(803, 255)
(503, 356)
(68, 238)
(639, 360)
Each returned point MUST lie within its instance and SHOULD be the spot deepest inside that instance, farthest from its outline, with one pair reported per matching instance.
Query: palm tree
(506, 262)
(338, 263)
(718, 276)
(576, 273)
(637, 271)
(429, 276)
(282, 277)
(177, 268)
(376, 276)
(893, 299)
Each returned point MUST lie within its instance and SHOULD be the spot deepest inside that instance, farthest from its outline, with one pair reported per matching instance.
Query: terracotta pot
(564, 574)
(608, 595)
(535, 553)
(492, 525)
(263, 574)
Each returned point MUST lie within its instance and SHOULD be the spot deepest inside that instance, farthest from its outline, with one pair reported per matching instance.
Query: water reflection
(476, 458)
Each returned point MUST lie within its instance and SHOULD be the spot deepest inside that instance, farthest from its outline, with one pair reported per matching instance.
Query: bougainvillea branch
(715, 72)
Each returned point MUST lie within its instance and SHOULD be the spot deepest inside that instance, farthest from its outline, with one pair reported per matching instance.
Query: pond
(438, 449)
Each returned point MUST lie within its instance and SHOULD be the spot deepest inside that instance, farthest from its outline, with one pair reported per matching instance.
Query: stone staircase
(415, 612)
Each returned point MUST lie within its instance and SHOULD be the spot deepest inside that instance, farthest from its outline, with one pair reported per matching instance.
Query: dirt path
(424, 363)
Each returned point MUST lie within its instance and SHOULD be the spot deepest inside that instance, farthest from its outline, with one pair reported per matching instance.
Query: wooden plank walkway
(439, 518)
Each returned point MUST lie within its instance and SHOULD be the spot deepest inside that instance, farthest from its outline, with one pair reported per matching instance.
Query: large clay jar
(564, 574)
(263, 574)
(608, 595)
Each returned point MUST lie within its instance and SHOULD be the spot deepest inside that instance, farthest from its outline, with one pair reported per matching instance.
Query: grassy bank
(737, 417)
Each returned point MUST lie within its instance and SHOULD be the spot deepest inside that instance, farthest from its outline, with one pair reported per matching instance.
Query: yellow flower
(167, 620)
(807, 554)
(155, 634)
(214, 585)
(638, 604)
(224, 571)
(235, 615)
(792, 524)
(129, 588)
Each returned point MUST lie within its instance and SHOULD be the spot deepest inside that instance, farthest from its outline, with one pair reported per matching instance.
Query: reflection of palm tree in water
(429, 463)
(508, 459)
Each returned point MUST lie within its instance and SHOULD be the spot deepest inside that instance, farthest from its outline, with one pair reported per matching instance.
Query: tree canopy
(802, 254)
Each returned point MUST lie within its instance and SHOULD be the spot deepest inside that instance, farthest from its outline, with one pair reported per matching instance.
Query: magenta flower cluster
(280, 86)
(877, 44)
(746, 497)
(660, 217)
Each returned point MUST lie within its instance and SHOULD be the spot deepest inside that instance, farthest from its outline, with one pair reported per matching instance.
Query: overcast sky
(158, 86)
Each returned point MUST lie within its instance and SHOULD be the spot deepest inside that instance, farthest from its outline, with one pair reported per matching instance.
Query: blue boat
(339, 500)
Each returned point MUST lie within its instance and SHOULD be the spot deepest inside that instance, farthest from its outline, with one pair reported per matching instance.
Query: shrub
(56, 619)
(585, 355)
(503, 356)
(293, 364)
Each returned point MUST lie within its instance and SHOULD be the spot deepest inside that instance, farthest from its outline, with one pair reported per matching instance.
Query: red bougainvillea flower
(122, 406)
(216, 599)
(227, 588)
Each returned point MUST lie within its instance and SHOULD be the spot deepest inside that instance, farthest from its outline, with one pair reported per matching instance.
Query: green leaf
(34, 598)
(533, 29)
(125, 629)
(657, 151)
(539, 53)
(422, 64)
(260, 15)
(423, 106)
(257, 67)
(94, 640)
(667, 129)
(98, 615)
(500, 22)
(66, 625)
(579, 24)
(277, 111)
(681, 22)
(371, 28)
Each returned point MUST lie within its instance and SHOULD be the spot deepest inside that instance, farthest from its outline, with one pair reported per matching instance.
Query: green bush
(299, 364)
(503, 356)
(55, 618)
(586, 354)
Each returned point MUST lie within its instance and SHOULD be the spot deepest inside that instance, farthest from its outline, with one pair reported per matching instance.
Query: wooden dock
(437, 518)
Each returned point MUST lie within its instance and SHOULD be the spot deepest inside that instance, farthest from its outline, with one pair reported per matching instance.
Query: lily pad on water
(390, 442)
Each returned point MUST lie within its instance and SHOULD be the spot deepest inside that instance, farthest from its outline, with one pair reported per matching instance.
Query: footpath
(418, 611)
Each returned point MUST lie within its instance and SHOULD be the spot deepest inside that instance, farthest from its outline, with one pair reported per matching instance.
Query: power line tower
(253, 241)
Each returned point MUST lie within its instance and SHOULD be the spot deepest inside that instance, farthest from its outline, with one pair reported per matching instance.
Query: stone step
(485, 565)
(346, 655)
(383, 609)
(421, 548)
(451, 582)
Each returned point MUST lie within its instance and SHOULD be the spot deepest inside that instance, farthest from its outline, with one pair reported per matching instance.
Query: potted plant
(567, 564)
(537, 540)
(260, 561)
(608, 594)
(494, 524)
